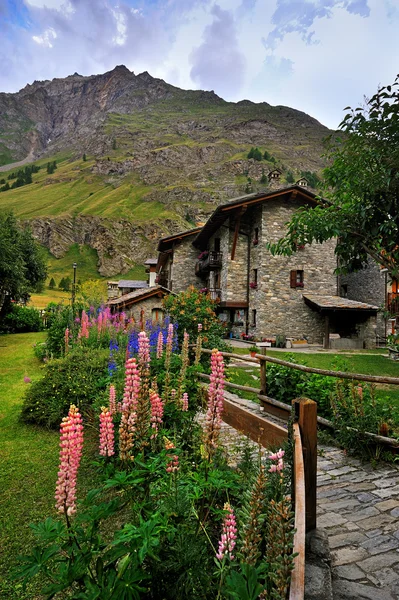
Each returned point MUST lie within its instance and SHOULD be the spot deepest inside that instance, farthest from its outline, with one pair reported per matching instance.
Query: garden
(146, 502)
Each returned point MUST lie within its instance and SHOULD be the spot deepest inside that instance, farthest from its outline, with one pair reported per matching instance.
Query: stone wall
(148, 304)
(367, 285)
(183, 274)
(281, 309)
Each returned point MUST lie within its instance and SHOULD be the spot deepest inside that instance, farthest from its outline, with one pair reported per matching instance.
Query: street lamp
(74, 284)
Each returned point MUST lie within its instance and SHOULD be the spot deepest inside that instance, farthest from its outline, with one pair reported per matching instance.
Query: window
(255, 279)
(253, 323)
(296, 279)
(217, 244)
(157, 315)
(255, 241)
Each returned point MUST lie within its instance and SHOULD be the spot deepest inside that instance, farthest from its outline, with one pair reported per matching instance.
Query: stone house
(141, 305)
(261, 295)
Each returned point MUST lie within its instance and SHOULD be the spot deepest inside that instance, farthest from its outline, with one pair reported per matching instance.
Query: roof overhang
(228, 304)
(335, 304)
(167, 243)
(223, 211)
(138, 296)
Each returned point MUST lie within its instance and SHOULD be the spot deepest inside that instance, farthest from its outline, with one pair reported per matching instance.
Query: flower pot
(253, 354)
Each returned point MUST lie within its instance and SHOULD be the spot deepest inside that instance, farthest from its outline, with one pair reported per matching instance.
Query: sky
(318, 56)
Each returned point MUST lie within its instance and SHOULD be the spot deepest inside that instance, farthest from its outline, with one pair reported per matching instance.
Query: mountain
(158, 158)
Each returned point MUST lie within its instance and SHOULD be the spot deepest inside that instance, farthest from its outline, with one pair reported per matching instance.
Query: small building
(302, 182)
(141, 305)
(151, 270)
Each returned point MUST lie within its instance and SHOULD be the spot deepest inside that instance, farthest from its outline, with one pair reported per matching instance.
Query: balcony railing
(211, 262)
(215, 294)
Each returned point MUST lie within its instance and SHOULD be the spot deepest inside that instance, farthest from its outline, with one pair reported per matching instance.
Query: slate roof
(332, 303)
(138, 295)
(151, 261)
(132, 283)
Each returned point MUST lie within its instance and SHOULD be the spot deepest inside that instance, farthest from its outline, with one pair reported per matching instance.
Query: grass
(28, 462)
(360, 362)
(86, 260)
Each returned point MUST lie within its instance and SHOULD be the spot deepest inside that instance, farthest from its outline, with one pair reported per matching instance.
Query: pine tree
(263, 180)
(290, 177)
(52, 284)
(257, 154)
(84, 157)
(61, 284)
(266, 155)
(114, 144)
(67, 284)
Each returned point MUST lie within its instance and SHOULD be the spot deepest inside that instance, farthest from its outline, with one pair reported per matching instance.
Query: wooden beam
(297, 587)
(306, 415)
(238, 222)
(259, 429)
(263, 373)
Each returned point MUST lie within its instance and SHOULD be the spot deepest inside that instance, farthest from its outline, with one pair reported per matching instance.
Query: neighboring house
(258, 293)
(373, 285)
(116, 289)
(141, 305)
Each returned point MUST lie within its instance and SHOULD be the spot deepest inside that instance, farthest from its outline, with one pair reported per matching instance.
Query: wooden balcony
(162, 279)
(211, 262)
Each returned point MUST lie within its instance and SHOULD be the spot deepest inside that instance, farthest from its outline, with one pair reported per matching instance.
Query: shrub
(78, 379)
(21, 320)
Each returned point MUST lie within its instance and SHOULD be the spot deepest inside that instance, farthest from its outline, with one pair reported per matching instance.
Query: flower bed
(168, 517)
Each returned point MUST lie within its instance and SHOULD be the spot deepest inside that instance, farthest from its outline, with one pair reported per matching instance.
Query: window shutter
(293, 279)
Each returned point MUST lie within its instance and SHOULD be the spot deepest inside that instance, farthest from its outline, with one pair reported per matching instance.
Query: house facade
(258, 294)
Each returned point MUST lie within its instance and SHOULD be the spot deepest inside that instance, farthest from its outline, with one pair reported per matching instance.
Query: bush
(21, 320)
(78, 379)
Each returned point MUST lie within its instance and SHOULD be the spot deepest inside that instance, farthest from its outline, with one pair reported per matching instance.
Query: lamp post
(74, 284)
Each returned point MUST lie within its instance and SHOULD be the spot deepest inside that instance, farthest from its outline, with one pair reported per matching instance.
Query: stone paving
(358, 506)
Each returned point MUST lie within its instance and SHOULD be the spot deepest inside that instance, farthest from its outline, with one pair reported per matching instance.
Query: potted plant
(253, 350)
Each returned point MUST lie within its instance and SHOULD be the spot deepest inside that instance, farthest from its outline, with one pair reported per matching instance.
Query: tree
(263, 180)
(290, 177)
(84, 157)
(361, 189)
(114, 144)
(61, 284)
(52, 284)
(22, 264)
(257, 154)
(251, 153)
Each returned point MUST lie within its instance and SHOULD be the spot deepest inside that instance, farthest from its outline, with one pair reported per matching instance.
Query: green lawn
(362, 363)
(28, 461)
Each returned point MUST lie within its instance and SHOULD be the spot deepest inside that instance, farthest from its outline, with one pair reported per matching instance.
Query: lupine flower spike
(160, 345)
(156, 413)
(184, 402)
(173, 460)
(106, 433)
(66, 340)
(71, 445)
(112, 400)
(213, 420)
(228, 538)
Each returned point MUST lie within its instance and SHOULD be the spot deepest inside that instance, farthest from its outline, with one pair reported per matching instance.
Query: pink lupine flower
(160, 345)
(71, 444)
(27, 379)
(129, 408)
(66, 340)
(280, 465)
(99, 324)
(156, 412)
(280, 454)
(169, 339)
(106, 433)
(273, 468)
(84, 326)
(144, 351)
(213, 419)
(173, 464)
(173, 394)
(228, 538)
(184, 402)
(273, 456)
(112, 400)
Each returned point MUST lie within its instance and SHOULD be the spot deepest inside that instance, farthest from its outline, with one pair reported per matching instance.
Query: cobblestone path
(359, 508)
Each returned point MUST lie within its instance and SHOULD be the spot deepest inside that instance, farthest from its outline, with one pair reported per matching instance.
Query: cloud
(218, 63)
(300, 16)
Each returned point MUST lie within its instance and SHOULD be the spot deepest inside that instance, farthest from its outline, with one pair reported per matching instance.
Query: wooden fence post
(306, 416)
(263, 373)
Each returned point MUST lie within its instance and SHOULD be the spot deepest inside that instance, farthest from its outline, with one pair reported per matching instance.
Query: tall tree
(360, 189)
(22, 265)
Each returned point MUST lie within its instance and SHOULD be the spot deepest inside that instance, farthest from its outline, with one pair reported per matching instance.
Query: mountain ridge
(134, 148)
